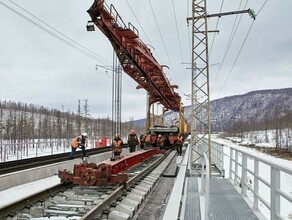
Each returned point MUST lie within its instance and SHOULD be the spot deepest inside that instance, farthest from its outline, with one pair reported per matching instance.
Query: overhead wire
(140, 25)
(167, 55)
(217, 24)
(262, 7)
(189, 31)
(230, 40)
(178, 37)
(75, 45)
(238, 54)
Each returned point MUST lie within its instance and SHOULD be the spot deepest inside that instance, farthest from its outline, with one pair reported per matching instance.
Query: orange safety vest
(147, 138)
(160, 141)
(74, 143)
(117, 146)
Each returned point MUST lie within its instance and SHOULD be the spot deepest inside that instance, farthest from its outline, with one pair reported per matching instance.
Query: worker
(132, 141)
(179, 142)
(117, 145)
(79, 142)
(172, 140)
(142, 140)
(147, 143)
(160, 141)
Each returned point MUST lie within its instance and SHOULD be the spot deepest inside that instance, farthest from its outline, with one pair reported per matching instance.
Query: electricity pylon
(200, 95)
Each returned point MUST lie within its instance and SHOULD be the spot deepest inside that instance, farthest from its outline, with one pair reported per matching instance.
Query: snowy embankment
(264, 172)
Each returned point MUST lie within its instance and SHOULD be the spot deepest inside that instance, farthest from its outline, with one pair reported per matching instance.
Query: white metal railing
(262, 179)
(217, 155)
(205, 184)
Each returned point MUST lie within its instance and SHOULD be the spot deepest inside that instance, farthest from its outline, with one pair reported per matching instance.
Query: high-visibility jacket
(78, 141)
(117, 145)
(147, 138)
(160, 141)
(179, 139)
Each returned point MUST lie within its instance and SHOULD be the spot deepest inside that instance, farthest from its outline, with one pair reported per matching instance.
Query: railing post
(207, 188)
(275, 197)
(236, 167)
(244, 175)
(222, 157)
(203, 176)
(230, 163)
(256, 185)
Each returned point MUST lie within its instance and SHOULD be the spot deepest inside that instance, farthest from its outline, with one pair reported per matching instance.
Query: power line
(84, 51)
(217, 24)
(236, 57)
(241, 48)
(180, 48)
(230, 40)
(162, 40)
(262, 7)
(189, 32)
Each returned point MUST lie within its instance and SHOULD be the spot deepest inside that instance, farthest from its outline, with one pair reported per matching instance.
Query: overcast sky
(46, 68)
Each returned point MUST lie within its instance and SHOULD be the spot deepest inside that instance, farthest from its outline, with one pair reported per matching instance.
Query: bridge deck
(225, 201)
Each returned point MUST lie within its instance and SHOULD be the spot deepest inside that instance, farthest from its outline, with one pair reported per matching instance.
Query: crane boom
(135, 57)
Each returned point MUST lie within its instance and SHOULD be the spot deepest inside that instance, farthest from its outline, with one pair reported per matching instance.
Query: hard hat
(84, 134)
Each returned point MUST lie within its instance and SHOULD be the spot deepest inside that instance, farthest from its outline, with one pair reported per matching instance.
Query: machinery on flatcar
(110, 171)
(168, 134)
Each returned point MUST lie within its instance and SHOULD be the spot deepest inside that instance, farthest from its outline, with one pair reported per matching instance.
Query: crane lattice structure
(135, 57)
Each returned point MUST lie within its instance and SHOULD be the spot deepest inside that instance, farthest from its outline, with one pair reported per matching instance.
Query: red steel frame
(135, 57)
(107, 172)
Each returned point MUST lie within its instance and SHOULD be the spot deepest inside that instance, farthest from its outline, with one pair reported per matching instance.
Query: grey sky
(38, 68)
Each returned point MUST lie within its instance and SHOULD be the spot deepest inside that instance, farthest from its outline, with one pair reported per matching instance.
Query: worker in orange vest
(160, 141)
(179, 143)
(78, 142)
(117, 145)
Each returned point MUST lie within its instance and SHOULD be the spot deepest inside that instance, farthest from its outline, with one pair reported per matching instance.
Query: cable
(59, 32)
(241, 49)
(180, 48)
(90, 54)
(141, 27)
(262, 7)
(215, 29)
(162, 40)
(232, 34)
(189, 33)
(236, 57)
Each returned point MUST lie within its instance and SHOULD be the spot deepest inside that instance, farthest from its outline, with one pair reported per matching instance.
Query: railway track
(19, 165)
(93, 202)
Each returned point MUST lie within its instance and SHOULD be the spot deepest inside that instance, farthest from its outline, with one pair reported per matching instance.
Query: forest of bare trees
(28, 121)
(279, 123)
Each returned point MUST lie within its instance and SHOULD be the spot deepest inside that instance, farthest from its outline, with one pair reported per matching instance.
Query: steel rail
(13, 166)
(119, 191)
(21, 203)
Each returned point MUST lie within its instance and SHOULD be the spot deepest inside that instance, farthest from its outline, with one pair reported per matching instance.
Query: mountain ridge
(253, 106)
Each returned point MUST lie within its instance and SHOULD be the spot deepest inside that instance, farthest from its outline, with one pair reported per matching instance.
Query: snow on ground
(20, 192)
(264, 170)
(7, 196)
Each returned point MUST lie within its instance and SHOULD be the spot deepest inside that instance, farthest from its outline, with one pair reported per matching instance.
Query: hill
(258, 107)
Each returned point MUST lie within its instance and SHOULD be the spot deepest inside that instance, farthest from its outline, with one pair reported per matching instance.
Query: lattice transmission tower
(200, 98)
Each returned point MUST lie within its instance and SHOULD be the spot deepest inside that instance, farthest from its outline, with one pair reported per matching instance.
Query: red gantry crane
(135, 57)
